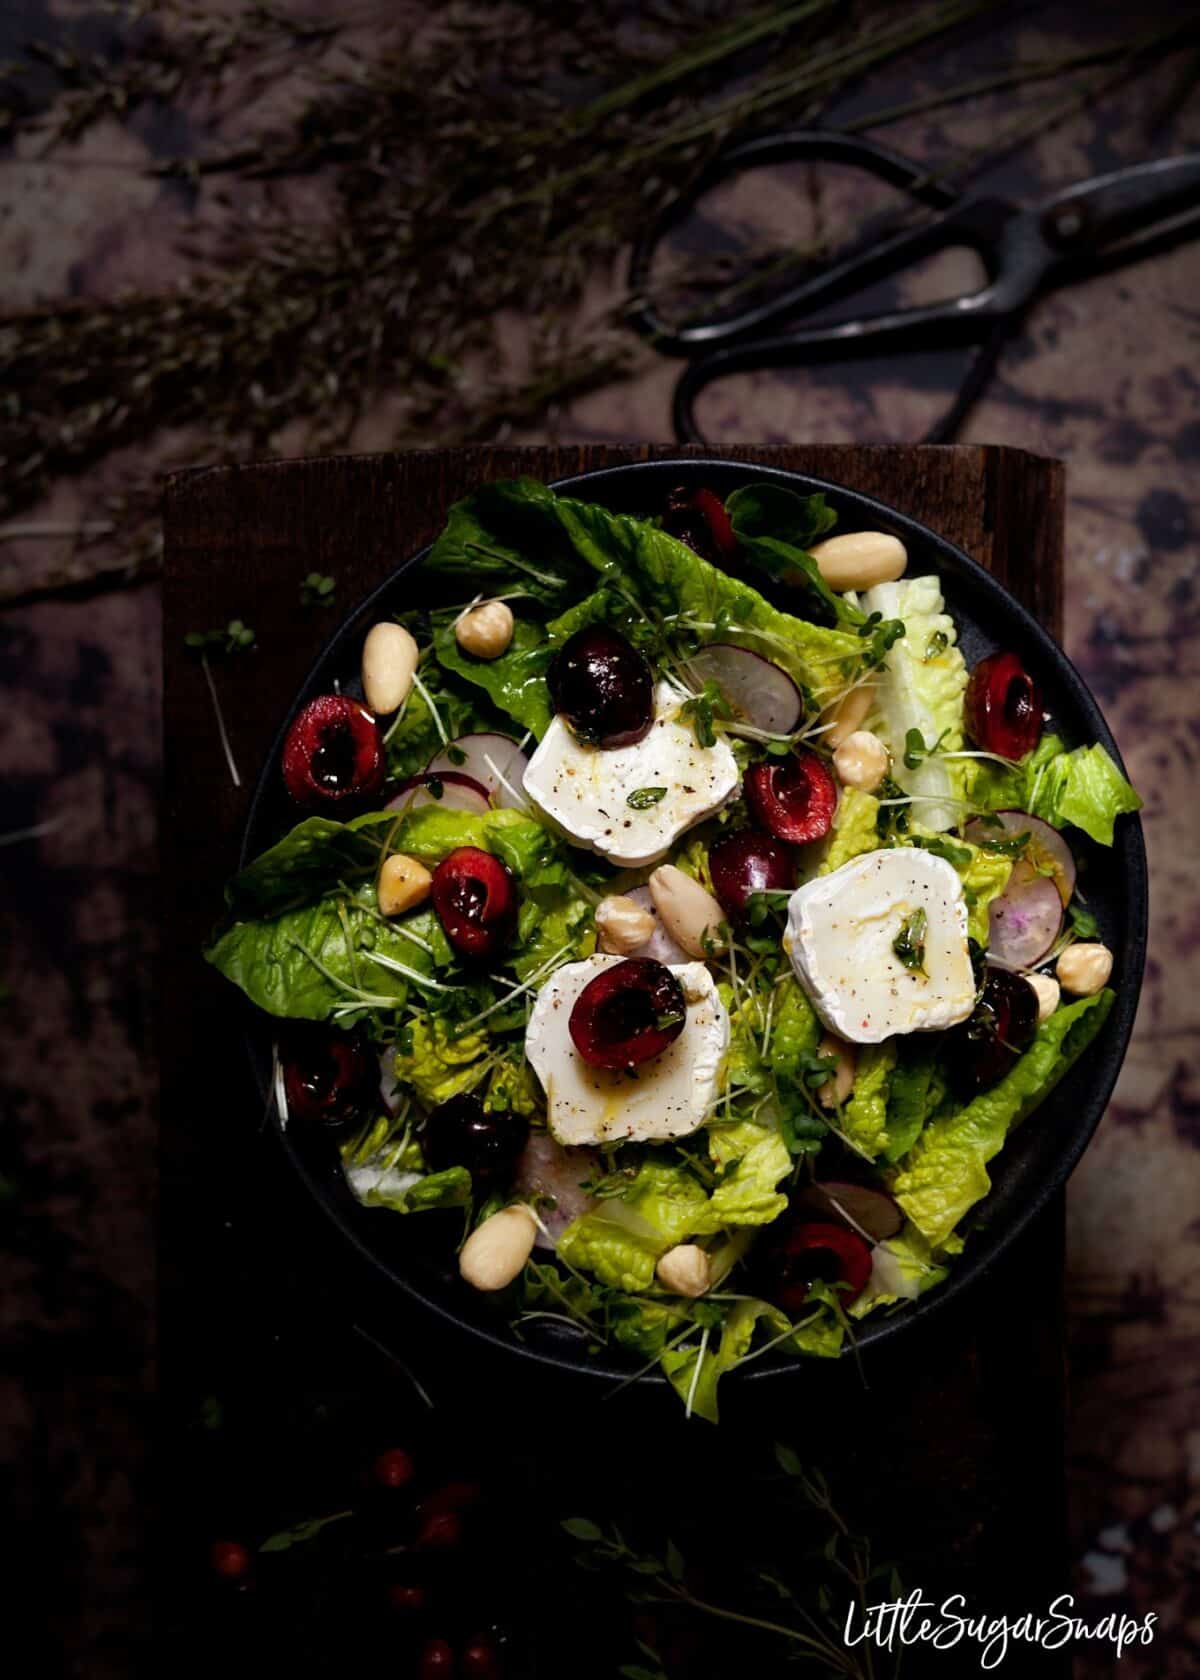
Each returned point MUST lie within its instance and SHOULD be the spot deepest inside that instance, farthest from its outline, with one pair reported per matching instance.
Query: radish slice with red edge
(1024, 922)
(759, 691)
(448, 788)
(1047, 851)
(494, 761)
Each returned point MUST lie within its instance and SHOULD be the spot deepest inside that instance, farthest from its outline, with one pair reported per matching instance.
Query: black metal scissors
(1093, 225)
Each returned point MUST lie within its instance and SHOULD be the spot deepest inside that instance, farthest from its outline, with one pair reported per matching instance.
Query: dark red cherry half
(812, 1251)
(749, 862)
(462, 1133)
(698, 518)
(1003, 707)
(475, 898)
(603, 687)
(628, 1014)
(983, 1048)
(333, 755)
(330, 1078)
(793, 798)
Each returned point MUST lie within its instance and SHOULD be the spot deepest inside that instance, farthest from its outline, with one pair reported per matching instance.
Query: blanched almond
(494, 1254)
(860, 559)
(690, 915)
(684, 1270)
(389, 662)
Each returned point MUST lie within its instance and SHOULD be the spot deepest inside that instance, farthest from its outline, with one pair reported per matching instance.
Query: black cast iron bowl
(417, 1252)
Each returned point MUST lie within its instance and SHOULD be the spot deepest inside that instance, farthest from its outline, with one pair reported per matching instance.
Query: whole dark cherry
(405, 1598)
(333, 758)
(629, 1013)
(983, 1048)
(475, 897)
(330, 1078)
(230, 1560)
(698, 518)
(1003, 707)
(462, 1133)
(793, 798)
(749, 862)
(436, 1661)
(394, 1468)
(481, 1659)
(603, 687)
(811, 1250)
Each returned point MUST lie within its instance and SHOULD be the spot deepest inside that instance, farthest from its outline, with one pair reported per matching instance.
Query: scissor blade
(1093, 214)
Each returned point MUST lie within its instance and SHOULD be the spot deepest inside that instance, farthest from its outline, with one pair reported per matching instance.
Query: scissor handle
(971, 320)
(853, 273)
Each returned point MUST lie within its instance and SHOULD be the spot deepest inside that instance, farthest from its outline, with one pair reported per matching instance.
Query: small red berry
(394, 1468)
(437, 1660)
(441, 1531)
(229, 1559)
(452, 1496)
(406, 1598)
(481, 1659)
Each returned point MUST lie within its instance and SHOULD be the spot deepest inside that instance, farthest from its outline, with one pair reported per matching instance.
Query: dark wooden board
(953, 1455)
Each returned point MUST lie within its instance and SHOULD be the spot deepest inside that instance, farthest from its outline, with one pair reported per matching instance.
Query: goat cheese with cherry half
(880, 945)
(631, 803)
(596, 1092)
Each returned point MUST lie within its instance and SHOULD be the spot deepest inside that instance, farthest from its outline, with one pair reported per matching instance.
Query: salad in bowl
(671, 903)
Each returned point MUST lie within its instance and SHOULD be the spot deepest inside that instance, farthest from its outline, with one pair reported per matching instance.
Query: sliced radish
(546, 1169)
(495, 762)
(761, 692)
(1046, 854)
(660, 945)
(1024, 922)
(449, 789)
(871, 1213)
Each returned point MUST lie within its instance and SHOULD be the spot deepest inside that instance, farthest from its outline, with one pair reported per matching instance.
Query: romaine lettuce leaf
(308, 932)
(515, 682)
(715, 1358)
(795, 1029)
(305, 962)
(854, 830)
(504, 534)
(671, 580)
(747, 1194)
(437, 1061)
(1083, 787)
(775, 529)
(915, 1092)
(902, 1269)
(921, 687)
(946, 1171)
(863, 1119)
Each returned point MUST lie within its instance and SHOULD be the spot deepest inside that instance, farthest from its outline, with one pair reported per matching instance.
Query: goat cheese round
(842, 933)
(664, 1098)
(676, 783)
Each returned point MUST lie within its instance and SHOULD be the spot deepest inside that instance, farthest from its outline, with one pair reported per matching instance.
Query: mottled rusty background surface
(1105, 375)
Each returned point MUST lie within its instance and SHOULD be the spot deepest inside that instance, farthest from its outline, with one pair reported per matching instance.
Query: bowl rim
(978, 1259)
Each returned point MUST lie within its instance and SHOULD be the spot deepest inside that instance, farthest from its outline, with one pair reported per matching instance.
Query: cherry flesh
(1003, 707)
(793, 798)
(330, 1078)
(698, 518)
(985, 1046)
(475, 897)
(333, 758)
(812, 1251)
(462, 1133)
(631, 1012)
